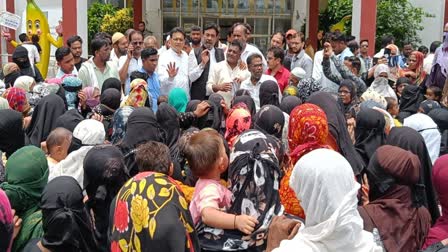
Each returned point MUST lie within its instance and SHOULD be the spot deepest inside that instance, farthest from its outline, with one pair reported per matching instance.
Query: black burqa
(169, 122)
(270, 120)
(20, 57)
(289, 103)
(410, 100)
(111, 83)
(66, 222)
(69, 120)
(337, 126)
(12, 136)
(104, 174)
(409, 139)
(248, 101)
(44, 118)
(269, 93)
(369, 132)
(142, 127)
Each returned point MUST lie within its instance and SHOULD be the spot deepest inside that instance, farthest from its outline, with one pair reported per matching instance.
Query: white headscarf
(429, 131)
(24, 82)
(90, 132)
(325, 182)
(381, 84)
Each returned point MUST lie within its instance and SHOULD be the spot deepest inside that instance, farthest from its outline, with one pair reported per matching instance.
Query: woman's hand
(17, 224)
(365, 188)
(281, 228)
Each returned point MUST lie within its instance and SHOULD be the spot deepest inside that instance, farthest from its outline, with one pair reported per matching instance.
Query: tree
(398, 18)
(95, 15)
(120, 21)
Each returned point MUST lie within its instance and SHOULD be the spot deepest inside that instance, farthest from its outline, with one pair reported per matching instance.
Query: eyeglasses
(365, 46)
(137, 43)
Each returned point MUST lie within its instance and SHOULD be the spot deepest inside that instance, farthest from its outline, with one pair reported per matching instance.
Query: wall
(433, 26)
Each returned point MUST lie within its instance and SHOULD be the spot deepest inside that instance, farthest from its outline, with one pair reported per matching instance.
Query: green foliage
(398, 18)
(120, 21)
(95, 15)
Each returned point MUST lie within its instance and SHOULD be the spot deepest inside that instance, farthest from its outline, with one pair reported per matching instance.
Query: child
(57, 145)
(427, 105)
(207, 158)
(154, 156)
(392, 106)
(433, 93)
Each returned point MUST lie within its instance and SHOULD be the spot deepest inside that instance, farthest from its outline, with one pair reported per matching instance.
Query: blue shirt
(345, 53)
(153, 88)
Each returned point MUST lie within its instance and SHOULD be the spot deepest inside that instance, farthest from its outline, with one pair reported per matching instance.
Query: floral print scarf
(138, 95)
(151, 214)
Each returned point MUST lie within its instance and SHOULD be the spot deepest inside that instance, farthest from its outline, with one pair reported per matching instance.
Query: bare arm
(218, 219)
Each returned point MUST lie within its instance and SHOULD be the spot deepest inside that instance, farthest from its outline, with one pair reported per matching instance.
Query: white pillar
(82, 25)
(356, 19)
(153, 18)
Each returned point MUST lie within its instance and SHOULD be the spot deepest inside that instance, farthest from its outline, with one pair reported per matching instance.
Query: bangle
(234, 222)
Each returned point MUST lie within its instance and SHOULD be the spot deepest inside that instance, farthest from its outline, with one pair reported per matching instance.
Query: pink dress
(209, 193)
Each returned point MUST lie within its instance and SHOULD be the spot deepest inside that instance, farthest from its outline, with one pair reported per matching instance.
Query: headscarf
(178, 99)
(138, 95)
(111, 83)
(11, 72)
(4, 103)
(289, 103)
(440, 117)
(17, 99)
(26, 177)
(349, 108)
(6, 223)
(307, 87)
(381, 84)
(419, 70)
(392, 174)
(238, 121)
(270, 120)
(44, 118)
(442, 57)
(254, 175)
(69, 120)
(291, 90)
(66, 222)
(119, 122)
(12, 136)
(71, 85)
(154, 217)
(142, 127)
(439, 231)
(308, 130)
(424, 125)
(409, 139)
(324, 180)
(215, 116)
(169, 123)
(369, 133)
(109, 102)
(104, 174)
(24, 82)
(91, 101)
(371, 95)
(269, 93)
(248, 101)
(411, 97)
(338, 129)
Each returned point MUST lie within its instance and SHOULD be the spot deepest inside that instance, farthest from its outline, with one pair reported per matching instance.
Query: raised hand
(59, 29)
(172, 70)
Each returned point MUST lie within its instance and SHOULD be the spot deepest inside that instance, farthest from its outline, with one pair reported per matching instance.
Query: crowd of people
(201, 145)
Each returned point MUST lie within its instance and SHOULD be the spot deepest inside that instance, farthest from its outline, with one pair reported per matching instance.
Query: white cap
(299, 73)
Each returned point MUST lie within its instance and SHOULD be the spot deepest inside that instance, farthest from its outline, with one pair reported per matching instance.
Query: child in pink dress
(207, 158)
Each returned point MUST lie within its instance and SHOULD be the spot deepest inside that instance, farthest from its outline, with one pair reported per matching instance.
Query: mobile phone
(387, 53)
(375, 61)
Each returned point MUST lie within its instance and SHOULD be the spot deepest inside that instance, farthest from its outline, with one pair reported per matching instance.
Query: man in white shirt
(119, 47)
(226, 76)
(132, 61)
(173, 67)
(65, 61)
(255, 66)
(240, 33)
(33, 54)
(202, 59)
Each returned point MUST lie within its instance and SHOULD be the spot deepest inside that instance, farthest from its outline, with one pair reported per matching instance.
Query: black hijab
(337, 126)
(440, 117)
(66, 222)
(270, 120)
(409, 139)
(104, 174)
(369, 132)
(111, 83)
(20, 57)
(248, 101)
(142, 127)
(44, 118)
(269, 93)
(215, 116)
(12, 136)
(169, 122)
(354, 98)
(109, 102)
(69, 120)
(410, 100)
(289, 103)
